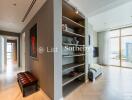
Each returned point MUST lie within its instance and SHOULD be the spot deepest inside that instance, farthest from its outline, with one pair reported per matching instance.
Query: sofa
(94, 71)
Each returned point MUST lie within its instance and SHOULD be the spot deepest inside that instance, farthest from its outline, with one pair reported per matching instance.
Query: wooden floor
(9, 89)
(14, 93)
(114, 84)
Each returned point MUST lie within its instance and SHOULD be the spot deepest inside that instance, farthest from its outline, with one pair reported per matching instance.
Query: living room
(67, 49)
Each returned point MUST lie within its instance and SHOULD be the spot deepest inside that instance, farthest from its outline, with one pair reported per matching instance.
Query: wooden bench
(27, 82)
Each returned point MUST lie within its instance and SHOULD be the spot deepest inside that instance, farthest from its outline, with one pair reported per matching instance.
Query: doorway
(11, 54)
(120, 44)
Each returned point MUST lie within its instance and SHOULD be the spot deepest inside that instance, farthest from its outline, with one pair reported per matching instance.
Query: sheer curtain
(126, 47)
(103, 43)
(109, 47)
(115, 47)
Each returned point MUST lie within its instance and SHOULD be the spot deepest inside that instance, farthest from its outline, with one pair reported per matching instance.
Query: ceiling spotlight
(14, 4)
(76, 11)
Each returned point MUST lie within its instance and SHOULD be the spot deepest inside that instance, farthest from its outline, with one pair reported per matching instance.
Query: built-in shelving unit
(73, 32)
(71, 23)
(67, 79)
(75, 55)
(71, 66)
(68, 44)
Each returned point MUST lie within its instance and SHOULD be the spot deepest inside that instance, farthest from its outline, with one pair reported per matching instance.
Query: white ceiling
(11, 16)
(104, 14)
(115, 18)
(93, 7)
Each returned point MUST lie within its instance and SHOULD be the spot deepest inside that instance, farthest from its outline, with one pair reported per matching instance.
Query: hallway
(8, 78)
(9, 89)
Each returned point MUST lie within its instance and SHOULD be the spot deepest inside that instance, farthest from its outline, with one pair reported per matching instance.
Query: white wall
(90, 48)
(95, 44)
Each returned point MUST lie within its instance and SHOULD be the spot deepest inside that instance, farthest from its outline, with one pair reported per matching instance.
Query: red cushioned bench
(27, 82)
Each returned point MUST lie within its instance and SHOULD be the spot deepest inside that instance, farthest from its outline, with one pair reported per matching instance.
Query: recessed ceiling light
(76, 11)
(14, 4)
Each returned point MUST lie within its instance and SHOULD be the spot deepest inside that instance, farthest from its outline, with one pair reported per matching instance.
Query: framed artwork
(33, 41)
(89, 40)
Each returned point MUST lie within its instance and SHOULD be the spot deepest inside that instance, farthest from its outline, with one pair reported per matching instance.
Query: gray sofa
(94, 71)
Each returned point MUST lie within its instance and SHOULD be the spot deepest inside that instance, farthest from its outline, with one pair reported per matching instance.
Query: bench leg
(23, 94)
(23, 91)
(36, 86)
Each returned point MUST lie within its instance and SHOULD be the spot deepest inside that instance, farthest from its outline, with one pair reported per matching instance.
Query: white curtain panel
(103, 43)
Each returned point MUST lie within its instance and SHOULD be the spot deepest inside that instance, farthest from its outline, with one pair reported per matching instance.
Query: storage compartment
(73, 58)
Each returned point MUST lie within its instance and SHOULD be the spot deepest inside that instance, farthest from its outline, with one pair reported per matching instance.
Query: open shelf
(69, 88)
(76, 55)
(69, 11)
(71, 23)
(72, 65)
(72, 34)
(67, 79)
(67, 44)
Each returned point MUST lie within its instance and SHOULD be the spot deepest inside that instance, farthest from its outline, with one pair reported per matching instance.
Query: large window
(120, 47)
(114, 45)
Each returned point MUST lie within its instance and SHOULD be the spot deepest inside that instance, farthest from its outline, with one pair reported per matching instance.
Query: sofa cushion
(94, 71)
